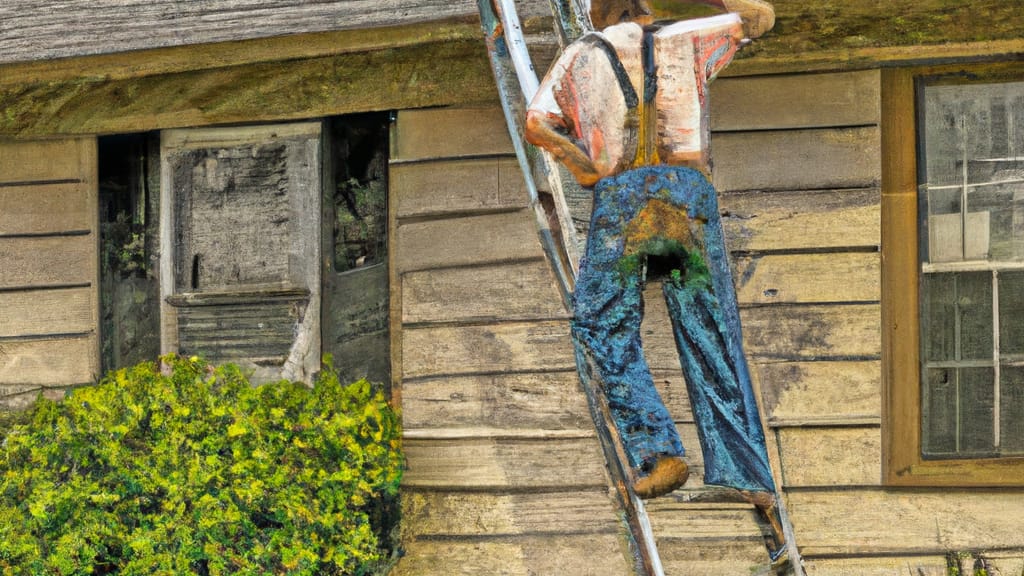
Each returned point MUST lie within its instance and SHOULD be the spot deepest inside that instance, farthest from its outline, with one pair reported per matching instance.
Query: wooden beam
(436, 73)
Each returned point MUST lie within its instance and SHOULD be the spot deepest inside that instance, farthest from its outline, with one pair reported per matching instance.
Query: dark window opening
(355, 327)
(128, 219)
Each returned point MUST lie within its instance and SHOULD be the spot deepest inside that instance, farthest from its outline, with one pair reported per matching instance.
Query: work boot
(668, 474)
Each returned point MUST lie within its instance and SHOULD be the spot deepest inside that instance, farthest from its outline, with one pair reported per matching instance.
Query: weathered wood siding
(506, 474)
(48, 268)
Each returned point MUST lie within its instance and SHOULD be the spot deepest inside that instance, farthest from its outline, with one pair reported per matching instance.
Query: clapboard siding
(504, 463)
(50, 362)
(707, 538)
(878, 566)
(46, 208)
(830, 456)
(873, 520)
(448, 133)
(711, 557)
(488, 348)
(821, 332)
(812, 159)
(454, 186)
(576, 554)
(40, 312)
(482, 239)
(807, 278)
(45, 161)
(49, 262)
(802, 220)
(788, 102)
(795, 393)
(538, 401)
(528, 513)
(514, 291)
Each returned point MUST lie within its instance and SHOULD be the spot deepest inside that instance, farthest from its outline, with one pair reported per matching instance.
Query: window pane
(1011, 315)
(976, 417)
(957, 421)
(939, 415)
(998, 217)
(956, 316)
(1011, 410)
(974, 306)
(973, 167)
(938, 317)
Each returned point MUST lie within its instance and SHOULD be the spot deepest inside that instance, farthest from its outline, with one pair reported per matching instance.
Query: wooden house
(138, 142)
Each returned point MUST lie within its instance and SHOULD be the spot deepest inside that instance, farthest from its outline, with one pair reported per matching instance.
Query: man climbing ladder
(626, 111)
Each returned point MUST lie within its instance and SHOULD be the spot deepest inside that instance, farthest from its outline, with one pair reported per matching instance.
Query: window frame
(902, 461)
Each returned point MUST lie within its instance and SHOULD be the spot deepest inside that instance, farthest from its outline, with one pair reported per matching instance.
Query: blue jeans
(669, 211)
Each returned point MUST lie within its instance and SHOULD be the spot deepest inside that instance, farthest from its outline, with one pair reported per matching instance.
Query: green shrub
(193, 471)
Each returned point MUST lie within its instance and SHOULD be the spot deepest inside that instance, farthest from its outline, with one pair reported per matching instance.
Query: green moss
(190, 470)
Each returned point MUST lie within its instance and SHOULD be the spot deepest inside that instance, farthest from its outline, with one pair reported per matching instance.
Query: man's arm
(549, 131)
(758, 15)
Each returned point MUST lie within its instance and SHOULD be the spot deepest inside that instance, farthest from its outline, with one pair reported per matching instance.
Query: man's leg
(606, 329)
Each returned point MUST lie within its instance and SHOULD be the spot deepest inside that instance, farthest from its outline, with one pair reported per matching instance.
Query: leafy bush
(193, 471)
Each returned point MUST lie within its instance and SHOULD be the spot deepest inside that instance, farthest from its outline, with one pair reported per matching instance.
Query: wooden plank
(795, 101)
(497, 463)
(50, 29)
(508, 291)
(811, 332)
(44, 160)
(472, 240)
(801, 220)
(456, 186)
(46, 208)
(47, 261)
(672, 388)
(585, 555)
(50, 362)
(1005, 561)
(696, 557)
(830, 456)
(540, 401)
(796, 393)
(488, 348)
(919, 522)
(807, 278)
(797, 159)
(450, 133)
(877, 566)
(40, 312)
(671, 519)
(797, 332)
(487, 514)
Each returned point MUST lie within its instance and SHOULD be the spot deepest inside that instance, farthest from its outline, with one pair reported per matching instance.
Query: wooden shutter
(48, 267)
(240, 269)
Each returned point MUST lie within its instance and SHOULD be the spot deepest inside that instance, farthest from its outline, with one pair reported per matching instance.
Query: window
(953, 278)
(211, 241)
